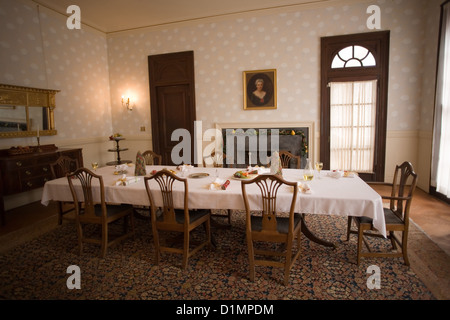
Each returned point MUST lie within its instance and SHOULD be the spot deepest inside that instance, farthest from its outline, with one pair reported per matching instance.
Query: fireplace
(253, 143)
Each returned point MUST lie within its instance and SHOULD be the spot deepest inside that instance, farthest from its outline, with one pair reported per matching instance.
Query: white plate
(250, 177)
(199, 175)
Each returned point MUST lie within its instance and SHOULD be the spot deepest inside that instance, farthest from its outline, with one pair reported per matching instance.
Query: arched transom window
(353, 56)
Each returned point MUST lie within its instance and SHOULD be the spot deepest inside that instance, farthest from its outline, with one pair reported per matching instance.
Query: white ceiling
(118, 15)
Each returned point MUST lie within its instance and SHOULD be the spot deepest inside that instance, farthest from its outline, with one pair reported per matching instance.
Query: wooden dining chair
(396, 215)
(218, 161)
(93, 209)
(173, 219)
(286, 157)
(152, 158)
(272, 226)
(60, 168)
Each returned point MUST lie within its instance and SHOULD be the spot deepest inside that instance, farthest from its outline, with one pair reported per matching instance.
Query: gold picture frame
(260, 89)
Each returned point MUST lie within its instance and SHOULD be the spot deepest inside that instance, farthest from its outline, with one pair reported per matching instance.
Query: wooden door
(172, 100)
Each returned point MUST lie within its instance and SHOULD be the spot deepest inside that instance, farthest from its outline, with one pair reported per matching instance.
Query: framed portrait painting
(260, 89)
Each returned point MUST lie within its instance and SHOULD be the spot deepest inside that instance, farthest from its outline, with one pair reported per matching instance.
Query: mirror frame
(11, 95)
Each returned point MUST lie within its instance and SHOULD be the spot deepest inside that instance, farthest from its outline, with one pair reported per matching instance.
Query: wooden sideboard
(28, 171)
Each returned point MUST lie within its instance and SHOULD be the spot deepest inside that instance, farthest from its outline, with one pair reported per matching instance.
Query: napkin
(121, 167)
(336, 174)
(349, 174)
(339, 174)
(124, 181)
(219, 184)
(184, 167)
(304, 187)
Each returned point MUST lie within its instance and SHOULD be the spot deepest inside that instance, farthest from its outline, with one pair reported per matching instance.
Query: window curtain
(440, 174)
(352, 125)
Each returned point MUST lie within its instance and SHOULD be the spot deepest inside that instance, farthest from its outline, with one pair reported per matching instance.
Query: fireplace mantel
(268, 125)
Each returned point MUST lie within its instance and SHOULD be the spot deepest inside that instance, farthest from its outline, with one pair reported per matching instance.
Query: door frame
(378, 44)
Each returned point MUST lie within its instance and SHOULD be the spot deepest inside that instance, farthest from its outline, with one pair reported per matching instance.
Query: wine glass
(319, 166)
(95, 166)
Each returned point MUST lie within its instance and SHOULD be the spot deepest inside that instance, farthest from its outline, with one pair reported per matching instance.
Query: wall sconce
(126, 103)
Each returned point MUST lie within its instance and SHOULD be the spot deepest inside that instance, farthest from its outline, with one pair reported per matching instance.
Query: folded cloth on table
(304, 187)
(124, 181)
(336, 174)
(121, 167)
(219, 184)
(350, 174)
(261, 170)
(184, 167)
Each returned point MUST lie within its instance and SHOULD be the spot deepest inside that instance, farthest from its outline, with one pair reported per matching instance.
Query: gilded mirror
(24, 111)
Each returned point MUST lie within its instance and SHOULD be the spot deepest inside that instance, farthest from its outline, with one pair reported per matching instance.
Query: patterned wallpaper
(94, 70)
(73, 61)
(287, 41)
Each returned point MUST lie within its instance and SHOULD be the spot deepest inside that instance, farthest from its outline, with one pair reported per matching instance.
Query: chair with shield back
(93, 210)
(396, 216)
(218, 160)
(267, 224)
(60, 168)
(286, 157)
(152, 158)
(171, 219)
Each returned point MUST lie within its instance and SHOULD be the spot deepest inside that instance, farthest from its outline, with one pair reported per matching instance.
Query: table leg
(2, 209)
(311, 236)
(218, 225)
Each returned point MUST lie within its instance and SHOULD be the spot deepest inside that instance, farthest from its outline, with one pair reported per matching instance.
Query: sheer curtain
(441, 156)
(352, 125)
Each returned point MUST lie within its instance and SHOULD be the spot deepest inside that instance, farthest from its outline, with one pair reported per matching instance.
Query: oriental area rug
(38, 269)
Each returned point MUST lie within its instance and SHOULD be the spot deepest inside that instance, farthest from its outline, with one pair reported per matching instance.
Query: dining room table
(328, 193)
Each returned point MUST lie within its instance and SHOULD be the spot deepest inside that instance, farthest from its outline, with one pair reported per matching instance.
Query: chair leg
(251, 258)
(208, 233)
(156, 242)
(60, 212)
(80, 238)
(104, 239)
(229, 216)
(349, 226)
(404, 247)
(287, 263)
(185, 249)
(359, 246)
(131, 217)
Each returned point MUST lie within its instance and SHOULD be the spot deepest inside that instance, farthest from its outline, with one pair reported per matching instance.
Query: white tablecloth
(344, 196)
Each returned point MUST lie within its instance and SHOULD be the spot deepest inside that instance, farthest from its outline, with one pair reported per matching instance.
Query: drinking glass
(319, 166)
(95, 166)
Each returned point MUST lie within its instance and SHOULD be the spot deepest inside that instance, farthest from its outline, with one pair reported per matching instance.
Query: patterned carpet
(37, 270)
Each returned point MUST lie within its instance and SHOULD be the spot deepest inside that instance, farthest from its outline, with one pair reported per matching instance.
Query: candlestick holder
(38, 144)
